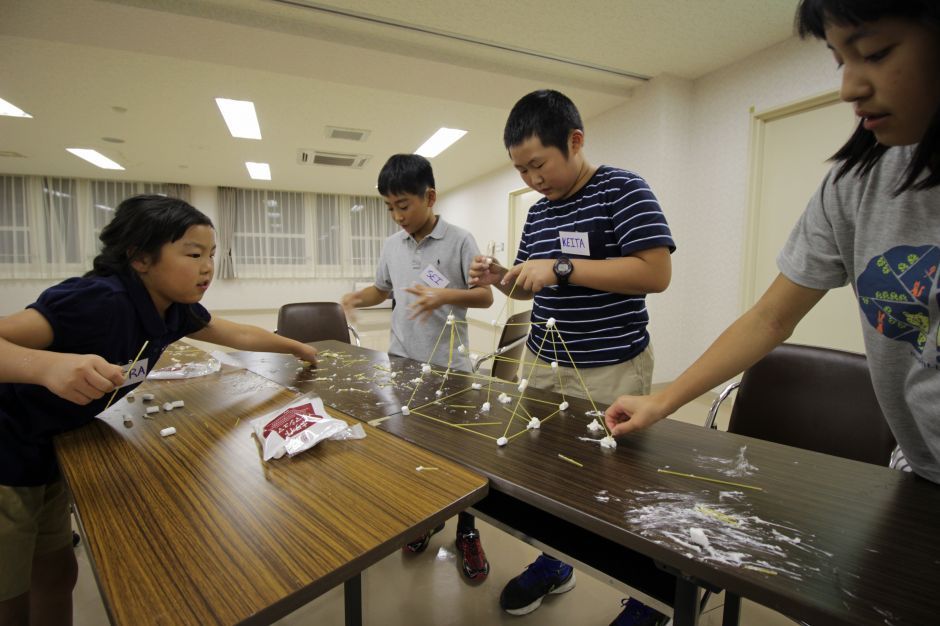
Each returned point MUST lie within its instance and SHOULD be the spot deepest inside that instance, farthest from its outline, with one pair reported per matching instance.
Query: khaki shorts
(33, 521)
(603, 384)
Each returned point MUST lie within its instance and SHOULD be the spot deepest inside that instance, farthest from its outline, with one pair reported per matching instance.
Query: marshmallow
(563, 406)
(476, 385)
(485, 407)
(523, 384)
(166, 432)
(502, 441)
(534, 423)
(405, 410)
(152, 409)
(608, 442)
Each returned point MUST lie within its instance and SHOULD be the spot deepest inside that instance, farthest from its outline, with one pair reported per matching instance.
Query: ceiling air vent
(336, 159)
(349, 134)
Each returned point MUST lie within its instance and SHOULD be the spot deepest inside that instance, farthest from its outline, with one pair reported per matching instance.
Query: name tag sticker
(136, 375)
(574, 243)
(433, 278)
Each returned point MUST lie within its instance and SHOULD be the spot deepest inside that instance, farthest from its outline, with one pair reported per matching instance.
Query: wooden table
(196, 529)
(827, 540)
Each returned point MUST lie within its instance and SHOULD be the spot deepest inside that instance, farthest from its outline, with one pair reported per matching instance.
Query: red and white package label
(292, 421)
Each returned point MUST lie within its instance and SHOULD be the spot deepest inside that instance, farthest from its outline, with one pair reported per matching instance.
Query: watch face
(564, 267)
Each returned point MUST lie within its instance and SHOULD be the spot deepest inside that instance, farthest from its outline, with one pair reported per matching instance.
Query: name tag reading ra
(574, 243)
(433, 278)
(136, 375)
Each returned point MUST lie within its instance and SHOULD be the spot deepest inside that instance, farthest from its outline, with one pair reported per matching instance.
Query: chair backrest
(813, 398)
(313, 321)
(506, 365)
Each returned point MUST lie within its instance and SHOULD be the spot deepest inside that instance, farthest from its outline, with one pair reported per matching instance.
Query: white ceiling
(147, 72)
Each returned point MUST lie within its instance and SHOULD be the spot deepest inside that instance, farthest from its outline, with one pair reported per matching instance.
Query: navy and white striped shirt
(620, 216)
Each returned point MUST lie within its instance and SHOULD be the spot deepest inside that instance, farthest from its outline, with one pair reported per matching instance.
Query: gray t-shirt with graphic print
(856, 230)
(441, 259)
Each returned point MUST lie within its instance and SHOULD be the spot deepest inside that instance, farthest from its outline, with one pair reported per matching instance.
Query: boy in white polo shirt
(425, 267)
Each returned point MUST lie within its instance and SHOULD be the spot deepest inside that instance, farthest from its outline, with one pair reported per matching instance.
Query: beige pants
(600, 384)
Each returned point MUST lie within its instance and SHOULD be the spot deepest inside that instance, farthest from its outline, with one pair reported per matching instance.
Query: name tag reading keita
(135, 375)
(574, 243)
(433, 278)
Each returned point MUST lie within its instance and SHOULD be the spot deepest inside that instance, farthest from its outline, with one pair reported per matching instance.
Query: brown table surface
(196, 529)
(827, 540)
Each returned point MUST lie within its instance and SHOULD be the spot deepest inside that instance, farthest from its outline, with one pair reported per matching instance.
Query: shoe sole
(568, 585)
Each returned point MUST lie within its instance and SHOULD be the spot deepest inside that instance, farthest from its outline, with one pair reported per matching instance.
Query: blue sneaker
(523, 594)
(635, 613)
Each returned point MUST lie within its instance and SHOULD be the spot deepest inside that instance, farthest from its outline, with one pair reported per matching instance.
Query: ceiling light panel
(440, 141)
(95, 158)
(240, 117)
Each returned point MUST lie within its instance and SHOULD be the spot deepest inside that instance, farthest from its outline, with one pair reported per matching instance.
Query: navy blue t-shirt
(111, 316)
(614, 215)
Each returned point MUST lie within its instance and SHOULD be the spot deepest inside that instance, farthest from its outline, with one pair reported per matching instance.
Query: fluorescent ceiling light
(258, 171)
(240, 118)
(440, 141)
(95, 158)
(8, 108)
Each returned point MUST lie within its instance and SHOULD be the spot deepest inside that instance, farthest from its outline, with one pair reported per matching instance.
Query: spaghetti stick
(711, 480)
(141, 351)
(572, 461)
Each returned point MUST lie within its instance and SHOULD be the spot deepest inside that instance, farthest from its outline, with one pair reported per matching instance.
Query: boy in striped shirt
(590, 251)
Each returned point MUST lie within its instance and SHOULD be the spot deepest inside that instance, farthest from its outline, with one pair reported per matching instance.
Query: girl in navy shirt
(60, 362)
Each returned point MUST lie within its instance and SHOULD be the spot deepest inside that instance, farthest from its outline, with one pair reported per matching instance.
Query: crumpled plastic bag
(298, 427)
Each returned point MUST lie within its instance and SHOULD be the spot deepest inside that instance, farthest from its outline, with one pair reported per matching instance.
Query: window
(49, 226)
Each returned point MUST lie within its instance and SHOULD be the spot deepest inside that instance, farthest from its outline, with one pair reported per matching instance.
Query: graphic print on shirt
(894, 293)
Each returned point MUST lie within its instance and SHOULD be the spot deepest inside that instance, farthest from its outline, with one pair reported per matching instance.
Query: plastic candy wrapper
(298, 427)
(186, 370)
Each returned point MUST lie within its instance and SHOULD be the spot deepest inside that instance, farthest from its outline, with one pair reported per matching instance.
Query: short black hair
(406, 173)
(862, 150)
(547, 114)
(140, 226)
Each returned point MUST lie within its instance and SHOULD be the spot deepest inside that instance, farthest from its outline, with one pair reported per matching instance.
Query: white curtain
(49, 226)
(225, 230)
(281, 234)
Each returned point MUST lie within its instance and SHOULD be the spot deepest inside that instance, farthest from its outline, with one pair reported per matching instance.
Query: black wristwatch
(563, 269)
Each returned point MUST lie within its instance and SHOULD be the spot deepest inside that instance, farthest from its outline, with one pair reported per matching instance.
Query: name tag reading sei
(574, 243)
(433, 278)
(135, 375)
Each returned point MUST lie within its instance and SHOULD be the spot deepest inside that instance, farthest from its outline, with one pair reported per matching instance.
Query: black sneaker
(523, 594)
(421, 543)
(475, 565)
(635, 613)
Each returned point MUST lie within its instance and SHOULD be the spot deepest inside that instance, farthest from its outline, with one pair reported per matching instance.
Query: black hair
(406, 173)
(140, 227)
(547, 114)
(862, 150)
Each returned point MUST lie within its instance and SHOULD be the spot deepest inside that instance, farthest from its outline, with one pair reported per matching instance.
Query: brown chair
(314, 321)
(509, 348)
(808, 397)
(813, 398)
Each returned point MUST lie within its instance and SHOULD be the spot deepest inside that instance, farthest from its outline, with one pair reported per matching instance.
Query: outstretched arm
(746, 341)
(247, 337)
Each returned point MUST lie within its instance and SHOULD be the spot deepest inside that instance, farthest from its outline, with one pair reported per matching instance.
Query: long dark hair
(862, 150)
(140, 227)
